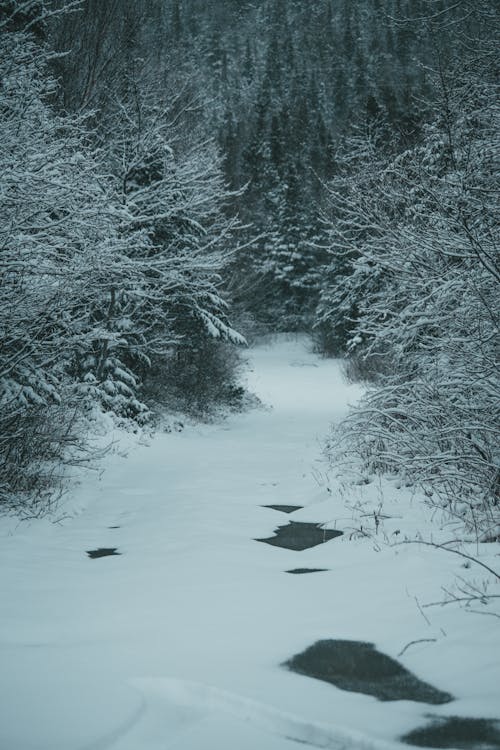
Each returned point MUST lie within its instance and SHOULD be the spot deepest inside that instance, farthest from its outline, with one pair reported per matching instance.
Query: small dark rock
(299, 536)
(457, 732)
(102, 552)
(358, 667)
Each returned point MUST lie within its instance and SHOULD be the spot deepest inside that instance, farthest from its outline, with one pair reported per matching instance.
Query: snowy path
(177, 643)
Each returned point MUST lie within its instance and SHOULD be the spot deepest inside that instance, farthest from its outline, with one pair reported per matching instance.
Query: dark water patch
(457, 732)
(102, 552)
(358, 667)
(298, 536)
(113, 527)
(284, 508)
(301, 571)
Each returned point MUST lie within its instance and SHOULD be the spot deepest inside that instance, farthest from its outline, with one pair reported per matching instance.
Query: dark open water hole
(301, 571)
(284, 508)
(102, 552)
(358, 667)
(457, 732)
(299, 536)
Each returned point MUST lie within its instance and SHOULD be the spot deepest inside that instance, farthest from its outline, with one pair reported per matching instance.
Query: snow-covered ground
(177, 643)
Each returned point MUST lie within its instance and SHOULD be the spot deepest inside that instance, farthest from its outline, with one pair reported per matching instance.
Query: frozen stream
(177, 642)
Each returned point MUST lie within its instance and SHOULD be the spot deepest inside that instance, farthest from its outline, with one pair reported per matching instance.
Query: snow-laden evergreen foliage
(172, 192)
(276, 83)
(421, 289)
(59, 249)
(107, 262)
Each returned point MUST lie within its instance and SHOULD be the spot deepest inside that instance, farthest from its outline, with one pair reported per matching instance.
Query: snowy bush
(423, 277)
(57, 245)
(172, 194)
(111, 256)
(355, 220)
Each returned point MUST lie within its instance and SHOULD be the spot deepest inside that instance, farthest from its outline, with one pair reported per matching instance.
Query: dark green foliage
(195, 378)
(19, 16)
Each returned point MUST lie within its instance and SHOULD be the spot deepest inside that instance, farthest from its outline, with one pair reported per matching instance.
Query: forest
(181, 177)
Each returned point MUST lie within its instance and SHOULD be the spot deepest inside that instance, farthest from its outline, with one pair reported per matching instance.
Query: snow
(177, 642)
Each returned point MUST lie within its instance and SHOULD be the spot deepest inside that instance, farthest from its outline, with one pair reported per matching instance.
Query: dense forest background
(178, 175)
(276, 84)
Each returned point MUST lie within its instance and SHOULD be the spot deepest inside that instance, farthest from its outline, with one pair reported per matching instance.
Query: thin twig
(422, 611)
(453, 599)
(412, 643)
(455, 551)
